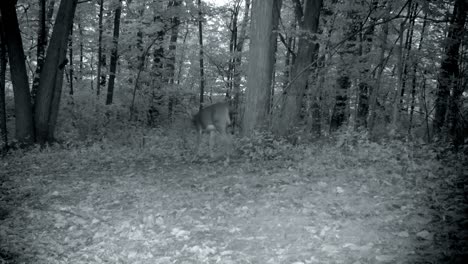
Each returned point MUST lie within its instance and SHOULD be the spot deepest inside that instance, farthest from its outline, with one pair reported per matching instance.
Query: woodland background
(349, 123)
(383, 68)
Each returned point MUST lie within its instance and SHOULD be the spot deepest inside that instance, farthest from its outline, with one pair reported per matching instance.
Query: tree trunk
(3, 63)
(238, 60)
(19, 77)
(341, 98)
(364, 87)
(99, 60)
(382, 64)
(260, 65)
(307, 53)
(70, 59)
(200, 42)
(449, 69)
(114, 54)
(48, 96)
(41, 45)
(173, 42)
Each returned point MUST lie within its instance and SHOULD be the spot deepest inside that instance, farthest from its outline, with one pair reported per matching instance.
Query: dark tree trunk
(3, 63)
(100, 55)
(70, 59)
(50, 87)
(41, 45)
(19, 77)
(449, 70)
(307, 53)
(200, 42)
(237, 64)
(339, 112)
(114, 54)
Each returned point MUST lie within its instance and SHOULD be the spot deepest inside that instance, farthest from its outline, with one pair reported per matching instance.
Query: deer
(212, 119)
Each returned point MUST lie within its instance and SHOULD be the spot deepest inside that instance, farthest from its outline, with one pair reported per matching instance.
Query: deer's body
(212, 118)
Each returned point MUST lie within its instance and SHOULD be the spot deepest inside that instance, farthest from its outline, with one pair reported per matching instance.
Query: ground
(143, 203)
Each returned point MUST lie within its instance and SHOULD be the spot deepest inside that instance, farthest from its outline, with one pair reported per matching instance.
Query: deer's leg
(212, 139)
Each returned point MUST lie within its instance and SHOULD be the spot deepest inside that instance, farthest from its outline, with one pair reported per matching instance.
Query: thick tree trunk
(48, 96)
(307, 53)
(260, 65)
(19, 77)
(449, 69)
(114, 54)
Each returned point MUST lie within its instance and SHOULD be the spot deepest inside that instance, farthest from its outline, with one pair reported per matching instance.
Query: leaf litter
(123, 205)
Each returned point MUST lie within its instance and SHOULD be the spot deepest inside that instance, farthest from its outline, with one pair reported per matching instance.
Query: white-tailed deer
(211, 119)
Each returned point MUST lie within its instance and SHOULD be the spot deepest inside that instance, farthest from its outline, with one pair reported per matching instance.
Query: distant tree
(114, 53)
(200, 42)
(101, 61)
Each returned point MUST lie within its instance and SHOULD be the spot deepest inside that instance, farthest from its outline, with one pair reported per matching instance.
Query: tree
(260, 65)
(449, 75)
(3, 63)
(114, 53)
(50, 86)
(307, 54)
(239, 46)
(19, 77)
(101, 58)
(200, 42)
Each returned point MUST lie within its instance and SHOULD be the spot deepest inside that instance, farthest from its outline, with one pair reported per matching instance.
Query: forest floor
(146, 203)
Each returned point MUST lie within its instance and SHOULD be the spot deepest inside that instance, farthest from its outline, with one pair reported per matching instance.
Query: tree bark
(48, 96)
(307, 53)
(260, 66)
(114, 54)
(19, 78)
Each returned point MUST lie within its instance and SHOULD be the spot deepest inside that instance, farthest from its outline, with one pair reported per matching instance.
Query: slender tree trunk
(3, 63)
(48, 96)
(19, 77)
(80, 34)
(41, 45)
(260, 66)
(307, 53)
(173, 42)
(200, 42)
(99, 60)
(70, 59)
(449, 70)
(170, 74)
(238, 60)
(114, 54)
(414, 77)
(364, 87)
(382, 64)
